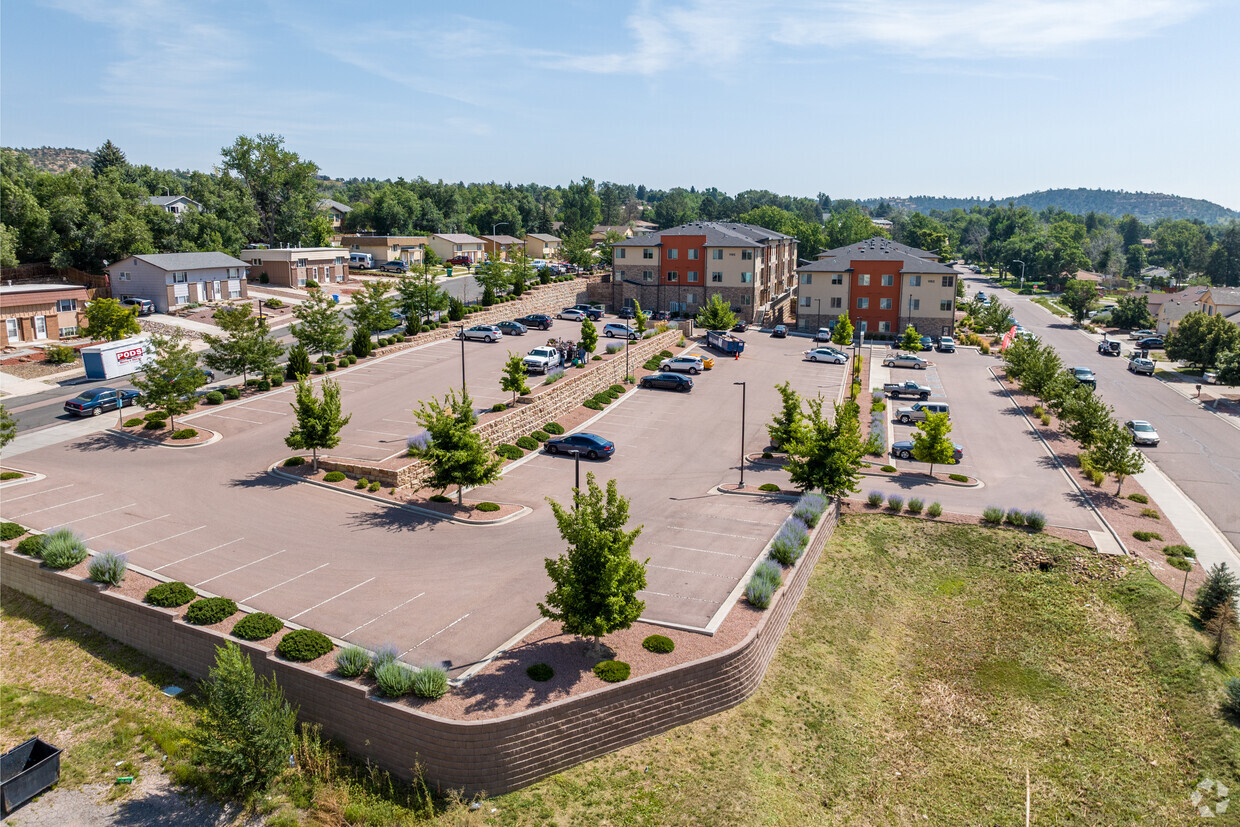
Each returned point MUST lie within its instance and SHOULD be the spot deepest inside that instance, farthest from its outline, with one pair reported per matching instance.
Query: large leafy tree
(453, 451)
(581, 209)
(1113, 453)
(246, 346)
(109, 319)
(1200, 339)
(1085, 417)
(577, 250)
(282, 185)
(1079, 297)
(1223, 263)
(1229, 368)
(931, 442)
(825, 454)
(418, 296)
(372, 308)
(319, 327)
(596, 580)
(716, 314)
(318, 420)
(171, 380)
(1132, 312)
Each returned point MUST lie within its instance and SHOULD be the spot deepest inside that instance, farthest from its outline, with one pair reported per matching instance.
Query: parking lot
(373, 574)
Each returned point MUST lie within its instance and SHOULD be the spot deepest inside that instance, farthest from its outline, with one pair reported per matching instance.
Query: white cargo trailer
(118, 358)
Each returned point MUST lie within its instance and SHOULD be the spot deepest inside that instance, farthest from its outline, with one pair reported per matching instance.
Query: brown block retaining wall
(494, 756)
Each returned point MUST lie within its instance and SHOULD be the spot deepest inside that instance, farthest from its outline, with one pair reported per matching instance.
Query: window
(301, 262)
(949, 281)
(180, 278)
(746, 278)
(179, 299)
(945, 306)
(690, 298)
(837, 302)
(862, 326)
(671, 275)
(648, 275)
(66, 305)
(457, 248)
(884, 304)
(620, 252)
(693, 275)
(716, 255)
(339, 261)
(805, 301)
(837, 278)
(807, 278)
(257, 262)
(862, 304)
(647, 252)
(716, 277)
(884, 327)
(914, 304)
(914, 281)
(888, 280)
(673, 254)
(863, 280)
(351, 247)
(66, 332)
(12, 331)
(746, 299)
(125, 276)
(693, 255)
(746, 255)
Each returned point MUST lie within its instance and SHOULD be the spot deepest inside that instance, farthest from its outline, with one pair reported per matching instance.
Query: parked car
(670, 381)
(906, 360)
(1142, 334)
(621, 330)
(97, 400)
(542, 359)
(571, 314)
(917, 412)
(626, 313)
(780, 332)
(904, 450)
(145, 306)
(826, 354)
(537, 320)
(946, 345)
(823, 335)
(398, 320)
(512, 328)
(1109, 347)
(981, 297)
(1139, 365)
(591, 446)
(1143, 433)
(740, 327)
(1085, 376)
(906, 389)
(485, 332)
(662, 316)
(927, 343)
(1150, 343)
(593, 312)
(462, 261)
(689, 364)
(394, 266)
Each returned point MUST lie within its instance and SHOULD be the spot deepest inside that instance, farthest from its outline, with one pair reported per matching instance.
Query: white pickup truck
(542, 359)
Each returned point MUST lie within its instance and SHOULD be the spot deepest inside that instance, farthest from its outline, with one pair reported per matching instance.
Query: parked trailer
(121, 358)
(725, 342)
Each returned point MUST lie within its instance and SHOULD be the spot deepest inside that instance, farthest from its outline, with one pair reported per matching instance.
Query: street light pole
(744, 390)
(1022, 272)
(576, 470)
(462, 359)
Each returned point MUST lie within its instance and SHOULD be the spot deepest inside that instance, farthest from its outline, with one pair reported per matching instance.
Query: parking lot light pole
(462, 359)
(576, 469)
(1022, 272)
(744, 390)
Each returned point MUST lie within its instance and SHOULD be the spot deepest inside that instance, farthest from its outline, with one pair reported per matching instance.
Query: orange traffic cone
(738, 355)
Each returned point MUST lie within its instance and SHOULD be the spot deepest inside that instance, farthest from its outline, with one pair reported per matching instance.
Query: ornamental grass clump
(430, 682)
(809, 508)
(108, 567)
(993, 515)
(934, 509)
(351, 661)
(874, 498)
(895, 502)
(386, 653)
(394, 679)
(1035, 520)
(790, 541)
(759, 592)
(915, 505)
(63, 549)
(1015, 517)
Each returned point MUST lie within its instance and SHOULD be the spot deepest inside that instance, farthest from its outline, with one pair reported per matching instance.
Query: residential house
(1175, 306)
(178, 205)
(176, 279)
(335, 211)
(882, 286)
(1222, 301)
(406, 248)
(502, 247)
(35, 313)
(883, 223)
(681, 268)
(294, 266)
(644, 226)
(451, 245)
(542, 246)
(600, 231)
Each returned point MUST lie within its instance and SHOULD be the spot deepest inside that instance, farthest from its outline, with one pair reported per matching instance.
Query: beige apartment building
(294, 266)
(502, 247)
(451, 245)
(542, 246)
(406, 248)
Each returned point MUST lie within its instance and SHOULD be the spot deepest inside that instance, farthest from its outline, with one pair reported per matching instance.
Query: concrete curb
(425, 512)
(31, 476)
(926, 478)
(754, 492)
(216, 436)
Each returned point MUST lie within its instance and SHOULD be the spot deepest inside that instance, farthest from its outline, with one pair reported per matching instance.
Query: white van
(362, 261)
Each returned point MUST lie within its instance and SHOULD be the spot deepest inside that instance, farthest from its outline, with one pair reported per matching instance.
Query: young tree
(589, 336)
(8, 427)
(930, 441)
(319, 328)
(456, 310)
(170, 381)
(247, 346)
(419, 296)
(1079, 297)
(1222, 629)
(1084, 416)
(576, 249)
(1200, 339)
(716, 314)
(246, 733)
(995, 317)
(639, 318)
(786, 423)
(1221, 587)
(596, 580)
(513, 377)
(430, 258)
(825, 455)
(372, 309)
(1113, 453)
(319, 421)
(455, 453)
(109, 319)
(520, 270)
(911, 339)
(362, 345)
(842, 333)
(298, 363)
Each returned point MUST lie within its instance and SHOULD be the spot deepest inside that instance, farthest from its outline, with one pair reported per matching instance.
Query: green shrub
(184, 433)
(170, 595)
(789, 542)
(509, 451)
(385, 653)
(617, 389)
(214, 398)
(394, 678)
(767, 455)
(10, 531)
(293, 462)
(487, 507)
(232, 392)
(440, 498)
(934, 509)
(154, 424)
(351, 661)
(759, 592)
(430, 682)
(1179, 563)
(993, 514)
(895, 502)
(540, 672)
(1231, 700)
(592, 405)
(541, 436)
(208, 610)
(769, 487)
(108, 567)
(915, 506)
(276, 380)
(264, 385)
(304, 645)
(528, 443)
(374, 486)
(352, 358)
(333, 476)
(553, 428)
(878, 407)
(273, 303)
(666, 354)
(1151, 513)
(874, 498)
(258, 626)
(1046, 419)
(659, 644)
(252, 382)
(362, 483)
(63, 549)
(330, 366)
(311, 284)
(1146, 536)
(958, 477)
(1035, 520)
(133, 423)
(32, 546)
(498, 406)
(890, 469)
(60, 354)
(319, 369)
(612, 671)
(1179, 551)
(1038, 410)
(17, 475)
(601, 399)
(1139, 498)
(1015, 517)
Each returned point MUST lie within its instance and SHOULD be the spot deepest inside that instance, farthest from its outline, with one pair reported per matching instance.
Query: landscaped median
(779, 460)
(154, 428)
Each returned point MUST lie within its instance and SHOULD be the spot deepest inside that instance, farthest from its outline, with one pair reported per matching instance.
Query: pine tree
(107, 156)
(513, 377)
(1221, 587)
(639, 318)
(319, 421)
(455, 454)
(298, 363)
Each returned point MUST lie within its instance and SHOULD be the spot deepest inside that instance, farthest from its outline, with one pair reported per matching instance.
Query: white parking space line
(678, 596)
(706, 531)
(199, 554)
(385, 614)
(743, 520)
(440, 632)
(91, 516)
(401, 421)
(381, 433)
(166, 539)
(127, 527)
(330, 599)
(59, 505)
(692, 571)
(247, 565)
(236, 418)
(38, 493)
(257, 409)
(704, 551)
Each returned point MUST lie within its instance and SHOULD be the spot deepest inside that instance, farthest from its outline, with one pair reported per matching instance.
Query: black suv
(541, 321)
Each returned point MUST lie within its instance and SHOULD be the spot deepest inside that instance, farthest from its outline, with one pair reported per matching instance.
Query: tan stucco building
(40, 313)
(294, 266)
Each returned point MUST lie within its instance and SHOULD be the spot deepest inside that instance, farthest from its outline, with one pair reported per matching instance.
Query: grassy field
(1053, 306)
(927, 670)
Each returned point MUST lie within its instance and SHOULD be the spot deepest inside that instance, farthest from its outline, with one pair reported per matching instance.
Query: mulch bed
(421, 499)
(163, 436)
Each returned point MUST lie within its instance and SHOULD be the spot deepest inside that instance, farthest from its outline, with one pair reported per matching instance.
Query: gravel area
(39, 370)
(421, 499)
(150, 801)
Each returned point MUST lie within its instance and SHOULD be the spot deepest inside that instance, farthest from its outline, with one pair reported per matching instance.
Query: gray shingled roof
(1225, 295)
(327, 204)
(501, 239)
(543, 237)
(876, 249)
(191, 261)
(458, 238)
(718, 234)
(165, 200)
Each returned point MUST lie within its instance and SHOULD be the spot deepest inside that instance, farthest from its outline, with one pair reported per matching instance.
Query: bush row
(996, 515)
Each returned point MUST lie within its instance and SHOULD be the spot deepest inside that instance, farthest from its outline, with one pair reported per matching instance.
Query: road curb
(754, 492)
(216, 436)
(915, 477)
(31, 476)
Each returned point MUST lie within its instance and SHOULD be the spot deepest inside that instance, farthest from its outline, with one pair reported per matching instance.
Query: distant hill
(57, 158)
(1147, 206)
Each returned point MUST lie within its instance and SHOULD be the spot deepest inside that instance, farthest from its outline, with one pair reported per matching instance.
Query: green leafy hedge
(541, 436)
(293, 462)
(209, 610)
(304, 645)
(31, 546)
(185, 433)
(487, 507)
(170, 595)
(333, 476)
(528, 443)
(553, 428)
(509, 451)
(258, 626)
(10, 531)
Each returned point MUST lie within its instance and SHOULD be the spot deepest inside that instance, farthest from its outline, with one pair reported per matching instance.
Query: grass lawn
(1053, 306)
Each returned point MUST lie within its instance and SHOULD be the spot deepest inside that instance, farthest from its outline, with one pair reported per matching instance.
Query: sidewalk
(1194, 526)
(56, 434)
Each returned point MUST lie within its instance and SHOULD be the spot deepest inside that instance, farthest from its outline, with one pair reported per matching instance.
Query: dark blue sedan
(670, 381)
(591, 446)
(97, 400)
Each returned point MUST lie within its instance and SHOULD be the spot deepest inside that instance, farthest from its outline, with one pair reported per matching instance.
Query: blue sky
(855, 98)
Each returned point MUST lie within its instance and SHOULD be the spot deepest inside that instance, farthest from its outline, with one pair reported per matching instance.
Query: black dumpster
(26, 771)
